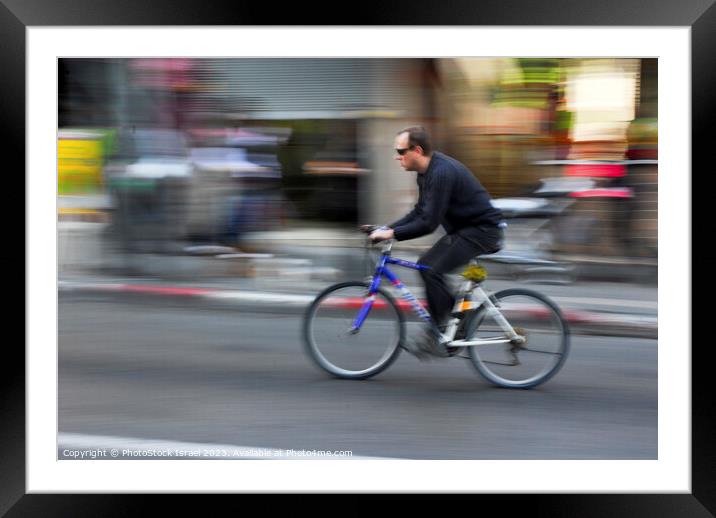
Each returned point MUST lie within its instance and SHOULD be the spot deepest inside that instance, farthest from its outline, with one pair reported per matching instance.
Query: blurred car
(147, 180)
(237, 186)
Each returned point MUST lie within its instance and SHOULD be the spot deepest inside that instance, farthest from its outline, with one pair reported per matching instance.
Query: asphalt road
(187, 375)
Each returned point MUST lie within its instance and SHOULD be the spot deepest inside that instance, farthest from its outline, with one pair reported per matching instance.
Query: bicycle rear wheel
(332, 344)
(514, 364)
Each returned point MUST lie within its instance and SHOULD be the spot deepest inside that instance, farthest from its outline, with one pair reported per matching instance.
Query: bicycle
(515, 338)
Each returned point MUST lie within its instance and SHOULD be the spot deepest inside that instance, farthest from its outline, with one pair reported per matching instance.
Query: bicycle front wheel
(533, 358)
(333, 343)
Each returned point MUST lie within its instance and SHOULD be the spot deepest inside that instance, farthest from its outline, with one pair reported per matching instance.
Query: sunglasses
(401, 152)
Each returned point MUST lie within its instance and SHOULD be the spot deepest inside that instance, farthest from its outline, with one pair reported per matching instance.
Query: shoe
(427, 346)
(460, 334)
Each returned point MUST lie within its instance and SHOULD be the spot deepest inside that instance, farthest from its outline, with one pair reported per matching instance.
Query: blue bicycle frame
(383, 271)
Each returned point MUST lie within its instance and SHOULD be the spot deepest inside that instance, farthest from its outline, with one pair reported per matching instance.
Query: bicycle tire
(539, 358)
(333, 350)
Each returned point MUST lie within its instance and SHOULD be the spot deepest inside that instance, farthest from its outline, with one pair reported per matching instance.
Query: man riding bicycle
(451, 196)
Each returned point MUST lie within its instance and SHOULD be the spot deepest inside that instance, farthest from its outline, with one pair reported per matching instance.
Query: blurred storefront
(343, 113)
(519, 123)
(318, 135)
(336, 119)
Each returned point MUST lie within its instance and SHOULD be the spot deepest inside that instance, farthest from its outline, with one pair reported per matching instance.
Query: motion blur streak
(171, 155)
(203, 203)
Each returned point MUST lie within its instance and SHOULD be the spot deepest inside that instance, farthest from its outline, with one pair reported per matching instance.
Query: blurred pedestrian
(451, 196)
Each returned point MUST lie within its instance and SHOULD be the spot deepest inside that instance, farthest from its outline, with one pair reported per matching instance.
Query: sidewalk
(329, 248)
(284, 270)
(335, 254)
(586, 311)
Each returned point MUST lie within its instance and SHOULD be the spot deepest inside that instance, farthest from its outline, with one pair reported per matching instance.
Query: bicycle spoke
(553, 353)
(541, 327)
(334, 344)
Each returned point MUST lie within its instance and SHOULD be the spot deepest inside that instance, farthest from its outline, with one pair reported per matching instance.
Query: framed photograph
(133, 421)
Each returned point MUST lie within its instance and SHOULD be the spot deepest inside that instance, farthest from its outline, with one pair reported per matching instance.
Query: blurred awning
(236, 137)
(333, 168)
(608, 192)
(166, 73)
(605, 170)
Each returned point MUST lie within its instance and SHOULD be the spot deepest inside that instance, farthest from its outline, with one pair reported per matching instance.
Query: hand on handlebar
(377, 233)
(368, 229)
(381, 234)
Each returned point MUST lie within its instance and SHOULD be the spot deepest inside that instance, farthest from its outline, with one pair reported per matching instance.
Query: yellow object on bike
(475, 273)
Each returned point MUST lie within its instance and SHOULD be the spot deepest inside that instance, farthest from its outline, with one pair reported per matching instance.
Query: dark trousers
(450, 252)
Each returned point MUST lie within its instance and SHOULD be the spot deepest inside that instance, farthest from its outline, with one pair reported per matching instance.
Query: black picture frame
(700, 15)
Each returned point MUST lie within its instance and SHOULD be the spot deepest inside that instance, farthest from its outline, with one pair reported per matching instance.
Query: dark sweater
(448, 195)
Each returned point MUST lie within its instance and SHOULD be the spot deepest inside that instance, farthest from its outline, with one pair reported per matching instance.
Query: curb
(587, 322)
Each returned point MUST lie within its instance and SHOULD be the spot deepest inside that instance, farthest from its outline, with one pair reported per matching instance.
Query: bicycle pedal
(521, 342)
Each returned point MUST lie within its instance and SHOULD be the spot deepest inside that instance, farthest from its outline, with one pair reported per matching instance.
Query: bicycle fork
(405, 293)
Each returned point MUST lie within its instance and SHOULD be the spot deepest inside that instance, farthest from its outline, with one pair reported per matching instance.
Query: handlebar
(386, 244)
(369, 229)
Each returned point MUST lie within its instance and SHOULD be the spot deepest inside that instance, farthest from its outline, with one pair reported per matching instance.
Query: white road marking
(647, 304)
(302, 300)
(101, 447)
(255, 296)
